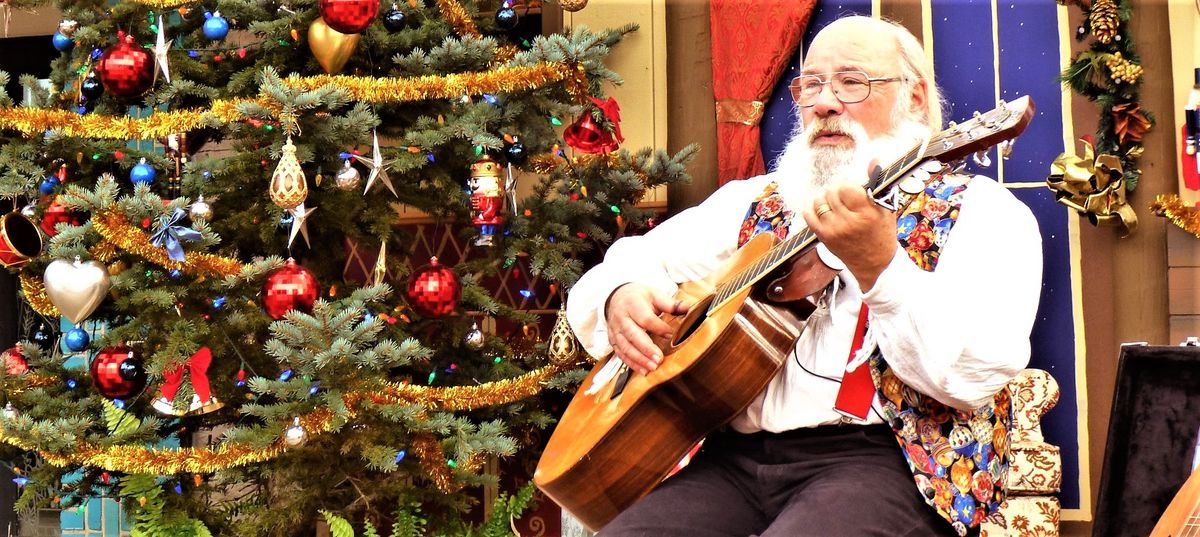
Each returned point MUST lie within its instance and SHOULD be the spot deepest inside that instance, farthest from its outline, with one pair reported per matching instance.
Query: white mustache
(832, 124)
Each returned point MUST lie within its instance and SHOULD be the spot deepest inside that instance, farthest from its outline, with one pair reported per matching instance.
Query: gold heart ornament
(331, 47)
(76, 289)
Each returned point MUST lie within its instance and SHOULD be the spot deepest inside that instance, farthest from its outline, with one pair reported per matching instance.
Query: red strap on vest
(857, 393)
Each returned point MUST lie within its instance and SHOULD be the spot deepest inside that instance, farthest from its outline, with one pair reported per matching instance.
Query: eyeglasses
(848, 86)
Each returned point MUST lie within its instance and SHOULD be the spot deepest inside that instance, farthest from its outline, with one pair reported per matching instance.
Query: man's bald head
(894, 43)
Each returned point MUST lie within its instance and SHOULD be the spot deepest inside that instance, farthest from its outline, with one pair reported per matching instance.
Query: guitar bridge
(622, 380)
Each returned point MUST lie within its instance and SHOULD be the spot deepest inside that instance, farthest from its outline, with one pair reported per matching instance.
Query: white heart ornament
(76, 289)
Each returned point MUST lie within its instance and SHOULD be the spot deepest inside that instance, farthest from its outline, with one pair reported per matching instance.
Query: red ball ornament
(118, 373)
(14, 360)
(58, 213)
(349, 16)
(125, 69)
(290, 287)
(433, 290)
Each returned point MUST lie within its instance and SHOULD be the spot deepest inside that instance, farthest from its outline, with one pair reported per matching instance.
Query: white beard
(811, 168)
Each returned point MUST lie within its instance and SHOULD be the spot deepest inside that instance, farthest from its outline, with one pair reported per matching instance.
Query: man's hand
(632, 316)
(855, 228)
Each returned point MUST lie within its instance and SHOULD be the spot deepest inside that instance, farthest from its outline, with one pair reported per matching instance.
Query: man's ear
(919, 103)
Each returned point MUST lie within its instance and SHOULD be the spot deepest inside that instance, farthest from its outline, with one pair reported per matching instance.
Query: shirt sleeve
(686, 247)
(960, 333)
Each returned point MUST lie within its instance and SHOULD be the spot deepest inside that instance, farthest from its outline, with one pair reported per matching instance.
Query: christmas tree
(190, 194)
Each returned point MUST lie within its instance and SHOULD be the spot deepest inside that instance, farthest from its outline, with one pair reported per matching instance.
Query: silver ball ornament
(348, 177)
(295, 435)
(474, 337)
(201, 210)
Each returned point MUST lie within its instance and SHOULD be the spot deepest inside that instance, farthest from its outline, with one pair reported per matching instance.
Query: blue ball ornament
(49, 184)
(215, 26)
(506, 18)
(76, 339)
(91, 88)
(63, 42)
(142, 173)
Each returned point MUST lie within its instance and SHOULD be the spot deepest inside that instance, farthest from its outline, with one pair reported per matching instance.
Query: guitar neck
(800, 239)
(979, 133)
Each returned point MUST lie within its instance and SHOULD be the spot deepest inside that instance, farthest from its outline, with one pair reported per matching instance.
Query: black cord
(796, 358)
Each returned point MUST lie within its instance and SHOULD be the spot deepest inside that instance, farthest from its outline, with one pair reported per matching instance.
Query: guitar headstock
(1005, 122)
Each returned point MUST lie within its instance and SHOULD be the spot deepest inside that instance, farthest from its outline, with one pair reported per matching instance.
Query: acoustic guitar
(623, 432)
(1182, 517)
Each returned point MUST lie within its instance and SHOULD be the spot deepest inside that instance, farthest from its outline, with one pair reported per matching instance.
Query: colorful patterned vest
(959, 459)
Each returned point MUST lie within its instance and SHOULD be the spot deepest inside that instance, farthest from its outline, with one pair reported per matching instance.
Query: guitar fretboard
(878, 185)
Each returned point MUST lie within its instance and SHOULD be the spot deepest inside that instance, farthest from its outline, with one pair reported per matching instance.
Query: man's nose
(827, 103)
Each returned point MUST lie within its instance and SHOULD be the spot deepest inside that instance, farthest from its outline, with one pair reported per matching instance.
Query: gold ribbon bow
(1093, 185)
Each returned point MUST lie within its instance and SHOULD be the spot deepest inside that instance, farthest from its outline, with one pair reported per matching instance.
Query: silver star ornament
(378, 167)
(299, 223)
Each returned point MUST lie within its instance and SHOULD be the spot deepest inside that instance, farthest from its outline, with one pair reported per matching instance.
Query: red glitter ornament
(118, 373)
(14, 360)
(349, 16)
(125, 69)
(58, 213)
(433, 290)
(290, 287)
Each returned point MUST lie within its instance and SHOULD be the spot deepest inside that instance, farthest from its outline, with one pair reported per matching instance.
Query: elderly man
(946, 309)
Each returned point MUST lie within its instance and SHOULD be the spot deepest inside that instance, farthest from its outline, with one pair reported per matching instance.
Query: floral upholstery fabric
(1035, 471)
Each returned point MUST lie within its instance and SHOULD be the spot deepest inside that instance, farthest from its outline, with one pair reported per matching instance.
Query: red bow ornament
(202, 398)
(586, 136)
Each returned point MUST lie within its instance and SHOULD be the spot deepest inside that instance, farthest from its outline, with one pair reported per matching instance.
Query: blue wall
(1027, 44)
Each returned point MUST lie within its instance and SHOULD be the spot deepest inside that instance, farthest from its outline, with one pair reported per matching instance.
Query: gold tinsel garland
(465, 397)
(30, 121)
(1179, 213)
(115, 228)
(35, 294)
(433, 461)
(392, 90)
(458, 18)
(163, 4)
(166, 461)
(546, 163)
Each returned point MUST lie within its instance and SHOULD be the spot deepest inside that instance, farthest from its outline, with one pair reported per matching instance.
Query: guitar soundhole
(692, 321)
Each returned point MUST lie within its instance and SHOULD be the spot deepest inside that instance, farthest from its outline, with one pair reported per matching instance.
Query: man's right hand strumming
(632, 315)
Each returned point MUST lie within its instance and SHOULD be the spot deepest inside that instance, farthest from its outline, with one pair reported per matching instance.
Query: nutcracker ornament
(487, 198)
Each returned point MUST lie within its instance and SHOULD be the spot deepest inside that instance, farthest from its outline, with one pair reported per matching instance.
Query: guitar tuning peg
(1002, 104)
(1006, 148)
(976, 114)
(981, 158)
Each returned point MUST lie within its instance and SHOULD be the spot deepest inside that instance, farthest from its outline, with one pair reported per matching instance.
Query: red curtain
(751, 45)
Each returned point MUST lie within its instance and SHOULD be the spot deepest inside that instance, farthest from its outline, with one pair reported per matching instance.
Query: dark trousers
(832, 481)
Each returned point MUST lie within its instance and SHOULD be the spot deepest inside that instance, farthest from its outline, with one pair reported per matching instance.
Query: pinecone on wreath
(1104, 20)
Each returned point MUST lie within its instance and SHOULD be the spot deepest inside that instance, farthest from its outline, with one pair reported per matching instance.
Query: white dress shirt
(957, 334)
